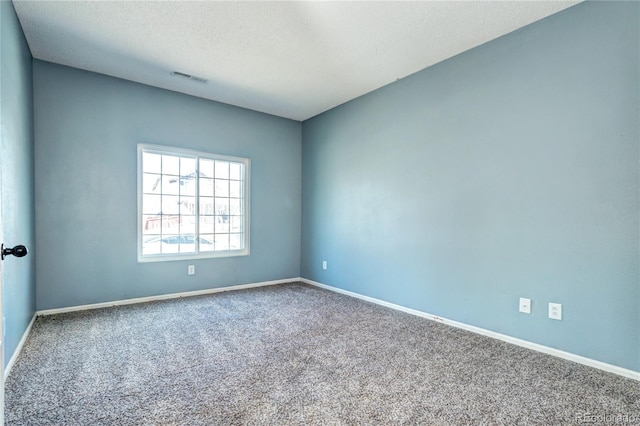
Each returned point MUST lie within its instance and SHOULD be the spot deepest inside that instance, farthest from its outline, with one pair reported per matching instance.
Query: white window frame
(169, 150)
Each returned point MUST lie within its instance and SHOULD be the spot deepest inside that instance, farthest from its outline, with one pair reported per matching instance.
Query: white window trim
(162, 149)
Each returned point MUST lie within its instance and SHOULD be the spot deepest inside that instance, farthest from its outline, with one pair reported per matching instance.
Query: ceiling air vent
(189, 77)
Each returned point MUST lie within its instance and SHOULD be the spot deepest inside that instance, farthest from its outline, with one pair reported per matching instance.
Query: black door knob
(17, 251)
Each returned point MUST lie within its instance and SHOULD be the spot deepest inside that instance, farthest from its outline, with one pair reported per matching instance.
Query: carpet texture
(293, 354)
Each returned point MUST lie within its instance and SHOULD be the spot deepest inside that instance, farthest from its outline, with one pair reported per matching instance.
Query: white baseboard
(18, 349)
(513, 340)
(162, 297)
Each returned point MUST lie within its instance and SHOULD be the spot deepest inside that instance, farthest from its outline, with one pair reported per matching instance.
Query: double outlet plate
(555, 309)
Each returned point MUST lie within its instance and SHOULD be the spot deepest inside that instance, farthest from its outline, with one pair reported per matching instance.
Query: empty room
(306, 212)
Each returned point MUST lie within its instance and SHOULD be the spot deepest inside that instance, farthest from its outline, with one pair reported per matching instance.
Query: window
(191, 204)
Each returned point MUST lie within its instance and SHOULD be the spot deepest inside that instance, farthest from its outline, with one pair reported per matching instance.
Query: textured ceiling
(290, 59)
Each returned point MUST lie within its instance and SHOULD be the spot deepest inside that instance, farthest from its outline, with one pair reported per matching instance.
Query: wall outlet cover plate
(555, 311)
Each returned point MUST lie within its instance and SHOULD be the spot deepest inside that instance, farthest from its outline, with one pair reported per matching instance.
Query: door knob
(17, 251)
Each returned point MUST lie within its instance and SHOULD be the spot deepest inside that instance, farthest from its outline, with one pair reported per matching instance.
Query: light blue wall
(508, 171)
(16, 162)
(87, 127)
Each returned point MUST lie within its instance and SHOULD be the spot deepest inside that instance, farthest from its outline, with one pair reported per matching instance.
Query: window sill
(187, 256)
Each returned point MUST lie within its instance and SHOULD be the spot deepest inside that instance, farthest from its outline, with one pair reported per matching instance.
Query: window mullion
(197, 209)
(181, 218)
(161, 197)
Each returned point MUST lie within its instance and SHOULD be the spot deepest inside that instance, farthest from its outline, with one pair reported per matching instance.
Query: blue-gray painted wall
(17, 181)
(87, 127)
(508, 171)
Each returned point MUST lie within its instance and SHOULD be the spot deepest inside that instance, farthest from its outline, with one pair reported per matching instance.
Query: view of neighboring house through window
(191, 204)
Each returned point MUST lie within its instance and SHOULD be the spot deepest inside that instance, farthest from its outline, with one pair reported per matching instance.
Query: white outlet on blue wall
(324, 264)
(555, 311)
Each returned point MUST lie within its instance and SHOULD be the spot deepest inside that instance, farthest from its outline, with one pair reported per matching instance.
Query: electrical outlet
(555, 311)
(191, 269)
(525, 305)
(324, 264)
